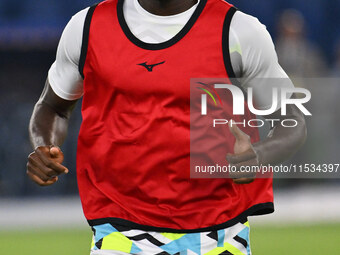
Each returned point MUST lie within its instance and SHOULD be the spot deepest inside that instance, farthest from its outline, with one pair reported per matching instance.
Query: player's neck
(166, 7)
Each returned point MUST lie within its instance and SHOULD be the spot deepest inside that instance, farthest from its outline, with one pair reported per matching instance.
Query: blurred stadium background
(35, 220)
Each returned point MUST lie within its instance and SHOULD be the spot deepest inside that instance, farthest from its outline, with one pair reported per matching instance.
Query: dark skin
(48, 130)
(280, 144)
(50, 117)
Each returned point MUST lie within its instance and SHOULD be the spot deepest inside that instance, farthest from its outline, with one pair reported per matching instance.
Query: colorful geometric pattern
(109, 239)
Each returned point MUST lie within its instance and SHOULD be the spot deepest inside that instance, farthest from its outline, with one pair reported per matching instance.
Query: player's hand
(45, 164)
(244, 155)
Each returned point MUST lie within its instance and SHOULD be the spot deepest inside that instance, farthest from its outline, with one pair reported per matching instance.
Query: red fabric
(133, 150)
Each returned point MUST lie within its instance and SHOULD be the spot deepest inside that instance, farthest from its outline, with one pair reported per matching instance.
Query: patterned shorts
(115, 240)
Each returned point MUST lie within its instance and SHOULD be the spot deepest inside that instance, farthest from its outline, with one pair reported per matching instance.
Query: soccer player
(132, 61)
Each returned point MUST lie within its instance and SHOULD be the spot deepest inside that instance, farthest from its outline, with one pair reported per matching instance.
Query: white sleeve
(63, 75)
(255, 61)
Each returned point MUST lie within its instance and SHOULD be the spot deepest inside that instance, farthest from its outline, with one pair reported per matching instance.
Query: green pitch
(296, 240)
(292, 240)
(46, 242)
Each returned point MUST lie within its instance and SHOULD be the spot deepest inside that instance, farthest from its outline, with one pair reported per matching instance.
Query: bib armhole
(85, 40)
(225, 42)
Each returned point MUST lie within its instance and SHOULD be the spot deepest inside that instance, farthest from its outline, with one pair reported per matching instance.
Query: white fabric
(152, 28)
(63, 75)
(253, 55)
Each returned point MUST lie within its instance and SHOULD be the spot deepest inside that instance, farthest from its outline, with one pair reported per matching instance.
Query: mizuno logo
(150, 67)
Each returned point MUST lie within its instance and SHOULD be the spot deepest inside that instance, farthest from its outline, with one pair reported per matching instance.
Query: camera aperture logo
(280, 97)
(204, 96)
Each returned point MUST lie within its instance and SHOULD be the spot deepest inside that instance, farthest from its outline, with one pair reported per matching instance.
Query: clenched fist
(45, 164)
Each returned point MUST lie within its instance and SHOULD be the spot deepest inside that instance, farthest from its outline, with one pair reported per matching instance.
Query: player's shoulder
(80, 16)
(75, 26)
(247, 27)
(247, 22)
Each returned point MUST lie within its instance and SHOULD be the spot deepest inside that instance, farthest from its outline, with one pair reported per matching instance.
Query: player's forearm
(282, 142)
(50, 117)
(46, 126)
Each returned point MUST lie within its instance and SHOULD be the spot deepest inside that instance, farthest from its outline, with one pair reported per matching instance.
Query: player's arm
(50, 117)
(258, 66)
(47, 131)
(281, 143)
